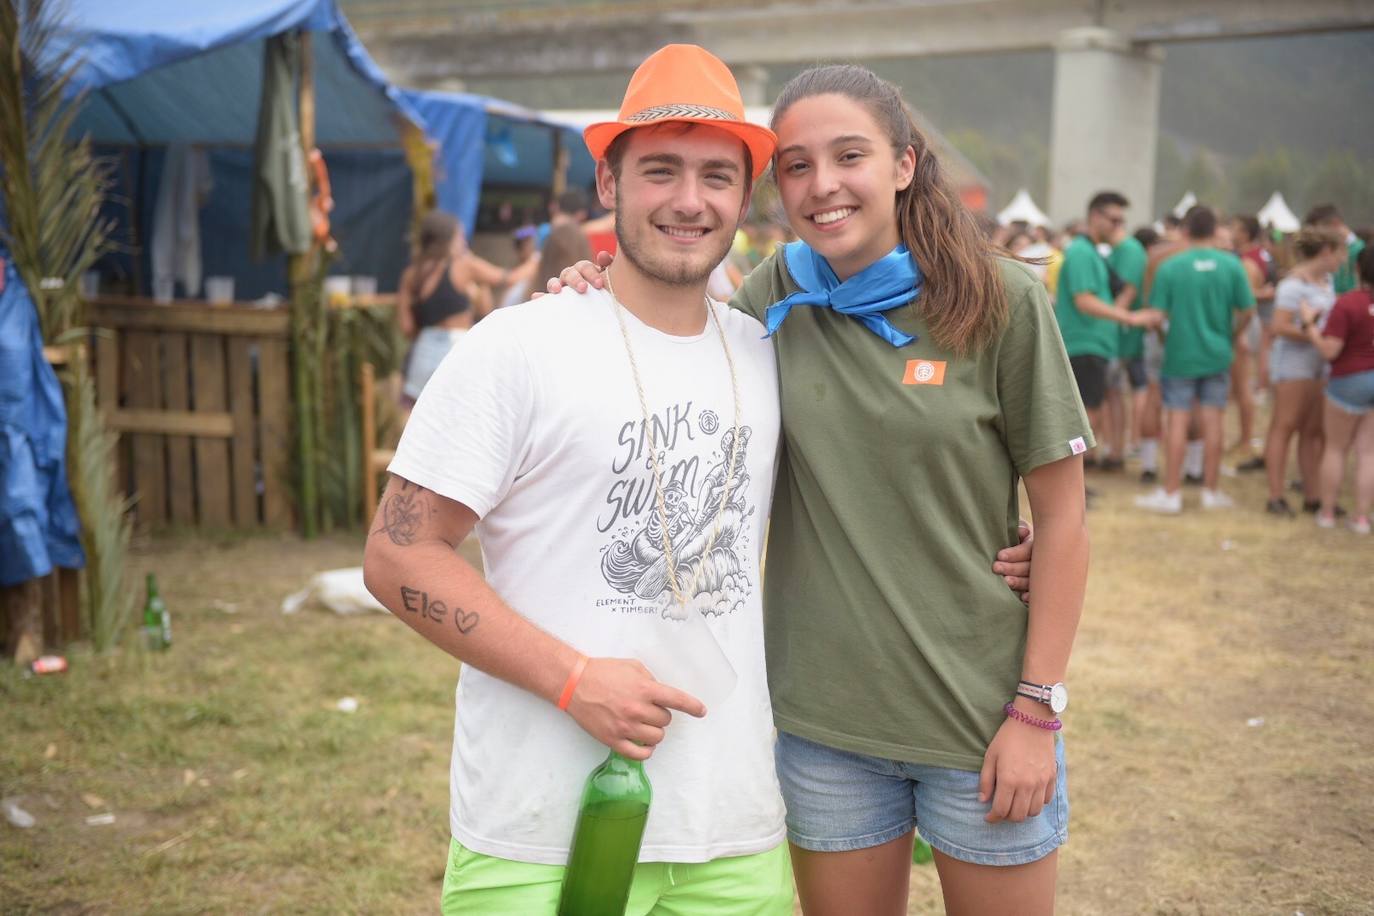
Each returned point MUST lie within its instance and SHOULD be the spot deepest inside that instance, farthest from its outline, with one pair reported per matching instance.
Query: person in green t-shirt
(1327, 216)
(921, 380)
(1089, 312)
(1127, 262)
(1206, 295)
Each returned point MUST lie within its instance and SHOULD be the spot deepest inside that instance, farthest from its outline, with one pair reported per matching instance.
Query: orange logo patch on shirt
(924, 372)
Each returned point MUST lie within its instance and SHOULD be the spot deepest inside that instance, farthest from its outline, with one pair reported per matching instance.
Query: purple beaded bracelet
(1052, 725)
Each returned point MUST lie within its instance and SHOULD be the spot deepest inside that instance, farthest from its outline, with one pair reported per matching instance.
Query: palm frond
(53, 190)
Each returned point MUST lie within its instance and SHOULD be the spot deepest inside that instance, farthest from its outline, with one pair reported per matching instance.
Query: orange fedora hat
(684, 83)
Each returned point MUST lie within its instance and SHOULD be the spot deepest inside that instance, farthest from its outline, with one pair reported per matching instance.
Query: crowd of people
(1169, 326)
(1248, 309)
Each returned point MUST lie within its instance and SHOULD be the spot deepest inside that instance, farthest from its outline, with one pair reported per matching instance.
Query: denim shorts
(1290, 361)
(839, 801)
(1353, 393)
(1208, 390)
(1154, 357)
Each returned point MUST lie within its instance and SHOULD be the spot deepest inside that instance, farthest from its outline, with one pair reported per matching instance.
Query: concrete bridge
(1108, 53)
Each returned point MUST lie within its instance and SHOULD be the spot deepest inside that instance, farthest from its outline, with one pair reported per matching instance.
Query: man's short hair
(1320, 214)
(1103, 199)
(573, 200)
(1250, 225)
(615, 153)
(1200, 222)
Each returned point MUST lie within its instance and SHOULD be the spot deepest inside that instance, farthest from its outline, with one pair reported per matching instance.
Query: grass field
(237, 786)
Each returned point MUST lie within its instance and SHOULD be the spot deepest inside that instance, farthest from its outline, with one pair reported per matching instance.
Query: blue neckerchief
(888, 283)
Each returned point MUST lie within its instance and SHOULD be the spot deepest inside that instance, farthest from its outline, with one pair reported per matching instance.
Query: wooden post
(23, 609)
(420, 157)
(300, 274)
(307, 95)
(366, 395)
(561, 159)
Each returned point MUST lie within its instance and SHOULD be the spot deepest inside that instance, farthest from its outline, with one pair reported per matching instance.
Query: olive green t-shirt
(1199, 288)
(1128, 260)
(1085, 271)
(886, 631)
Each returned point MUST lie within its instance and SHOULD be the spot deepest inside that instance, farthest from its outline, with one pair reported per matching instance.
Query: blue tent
(487, 141)
(159, 72)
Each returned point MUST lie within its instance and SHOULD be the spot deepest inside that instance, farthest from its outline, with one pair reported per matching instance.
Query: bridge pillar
(1105, 124)
(753, 84)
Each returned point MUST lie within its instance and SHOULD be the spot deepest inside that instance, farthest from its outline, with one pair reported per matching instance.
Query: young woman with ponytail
(894, 666)
(922, 378)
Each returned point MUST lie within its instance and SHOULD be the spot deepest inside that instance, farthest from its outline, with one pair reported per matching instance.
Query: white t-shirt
(534, 423)
(1298, 359)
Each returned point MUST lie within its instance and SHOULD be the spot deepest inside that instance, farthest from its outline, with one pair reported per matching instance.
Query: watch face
(1059, 698)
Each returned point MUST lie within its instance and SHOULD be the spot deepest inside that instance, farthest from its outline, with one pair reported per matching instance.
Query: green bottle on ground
(605, 844)
(920, 852)
(157, 623)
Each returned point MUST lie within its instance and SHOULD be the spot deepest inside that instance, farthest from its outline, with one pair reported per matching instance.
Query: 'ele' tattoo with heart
(419, 603)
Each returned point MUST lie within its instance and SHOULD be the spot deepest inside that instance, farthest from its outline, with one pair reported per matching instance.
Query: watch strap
(1033, 692)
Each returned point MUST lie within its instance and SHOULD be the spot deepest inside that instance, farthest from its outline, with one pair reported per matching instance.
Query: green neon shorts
(754, 885)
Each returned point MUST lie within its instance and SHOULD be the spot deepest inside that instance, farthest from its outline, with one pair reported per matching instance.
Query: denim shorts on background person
(1353, 393)
(1209, 390)
(839, 801)
(1154, 357)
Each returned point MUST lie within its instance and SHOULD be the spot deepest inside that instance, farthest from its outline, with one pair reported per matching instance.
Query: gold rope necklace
(660, 501)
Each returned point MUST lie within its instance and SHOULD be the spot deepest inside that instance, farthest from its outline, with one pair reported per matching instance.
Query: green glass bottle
(157, 623)
(605, 844)
(920, 852)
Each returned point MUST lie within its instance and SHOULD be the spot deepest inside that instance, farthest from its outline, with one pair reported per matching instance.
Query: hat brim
(761, 141)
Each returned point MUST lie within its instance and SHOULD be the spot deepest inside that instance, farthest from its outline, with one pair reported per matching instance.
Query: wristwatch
(1055, 696)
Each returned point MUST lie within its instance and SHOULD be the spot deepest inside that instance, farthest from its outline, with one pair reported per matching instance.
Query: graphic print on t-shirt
(633, 563)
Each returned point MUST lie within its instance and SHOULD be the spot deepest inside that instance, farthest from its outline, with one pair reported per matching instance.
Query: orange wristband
(566, 696)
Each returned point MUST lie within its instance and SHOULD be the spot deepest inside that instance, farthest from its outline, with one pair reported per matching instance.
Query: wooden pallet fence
(199, 395)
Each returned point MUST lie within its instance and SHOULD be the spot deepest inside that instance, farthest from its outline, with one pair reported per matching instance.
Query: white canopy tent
(1276, 213)
(1187, 203)
(1023, 209)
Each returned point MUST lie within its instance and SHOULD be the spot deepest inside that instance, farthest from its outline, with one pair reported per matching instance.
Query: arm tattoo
(403, 513)
(419, 603)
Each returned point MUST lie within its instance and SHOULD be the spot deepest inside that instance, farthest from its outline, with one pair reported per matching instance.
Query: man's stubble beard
(681, 274)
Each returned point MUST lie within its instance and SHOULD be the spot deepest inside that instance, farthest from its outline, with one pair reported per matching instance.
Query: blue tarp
(38, 523)
(199, 74)
(458, 126)
(157, 72)
(165, 71)
(486, 141)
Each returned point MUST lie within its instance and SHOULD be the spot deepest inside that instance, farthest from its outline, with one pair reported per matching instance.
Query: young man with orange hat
(615, 454)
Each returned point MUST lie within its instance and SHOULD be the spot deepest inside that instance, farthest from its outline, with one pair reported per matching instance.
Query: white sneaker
(1160, 501)
(1359, 525)
(1215, 499)
(1325, 521)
